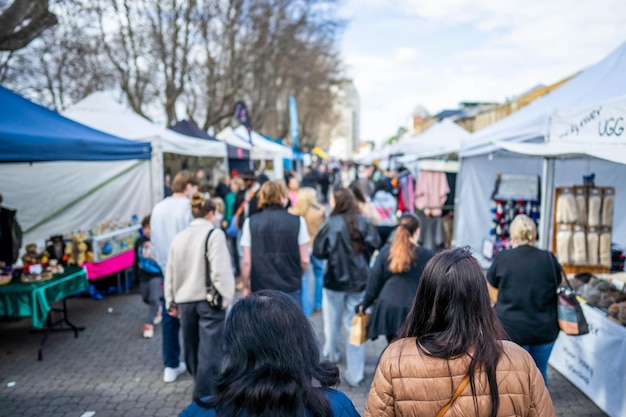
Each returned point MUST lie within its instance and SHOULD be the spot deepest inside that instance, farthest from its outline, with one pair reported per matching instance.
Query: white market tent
(259, 141)
(440, 139)
(483, 156)
(101, 111)
(261, 149)
(229, 136)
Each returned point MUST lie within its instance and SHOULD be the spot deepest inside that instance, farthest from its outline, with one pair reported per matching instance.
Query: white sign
(603, 123)
(595, 362)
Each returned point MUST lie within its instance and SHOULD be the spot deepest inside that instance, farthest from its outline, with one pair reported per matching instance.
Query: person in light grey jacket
(186, 290)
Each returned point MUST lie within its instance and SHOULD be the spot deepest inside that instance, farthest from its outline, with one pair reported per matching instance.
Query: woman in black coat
(527, 278)
(394, 278)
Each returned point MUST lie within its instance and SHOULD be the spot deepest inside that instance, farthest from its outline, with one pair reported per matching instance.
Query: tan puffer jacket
(409, 383)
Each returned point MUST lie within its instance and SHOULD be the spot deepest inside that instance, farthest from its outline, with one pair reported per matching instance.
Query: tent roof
(229, 136)
(614, 152)
(602, 81)
(100, 110)
(441, 138)
(189, 128)
(259, 141)
(30, 132)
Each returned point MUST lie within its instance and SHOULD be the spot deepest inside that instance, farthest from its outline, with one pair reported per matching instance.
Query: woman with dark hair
(196, 251)
(271, 360)
(347, 240)
(364, 204)
(394, 278)
(450, 339)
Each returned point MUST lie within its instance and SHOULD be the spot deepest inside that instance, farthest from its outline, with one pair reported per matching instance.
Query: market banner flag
(243, 116)
(293, 121)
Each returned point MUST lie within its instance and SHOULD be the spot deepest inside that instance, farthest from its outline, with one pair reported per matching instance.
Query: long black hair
(346, 206)
(452, 316)
(271, 359)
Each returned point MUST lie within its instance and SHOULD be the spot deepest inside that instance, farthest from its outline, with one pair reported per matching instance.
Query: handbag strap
(207, 265)
(244, 203)
(458, 392)
(560, 273)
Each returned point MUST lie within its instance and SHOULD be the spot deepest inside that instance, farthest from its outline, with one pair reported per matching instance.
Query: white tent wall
(37, 190)
(474, 185)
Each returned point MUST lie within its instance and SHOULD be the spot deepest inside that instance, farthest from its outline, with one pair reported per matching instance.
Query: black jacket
(526, 279)
(10, 236)
(345, 270)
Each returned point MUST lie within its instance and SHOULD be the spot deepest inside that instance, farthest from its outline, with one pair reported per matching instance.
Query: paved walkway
(109, 370)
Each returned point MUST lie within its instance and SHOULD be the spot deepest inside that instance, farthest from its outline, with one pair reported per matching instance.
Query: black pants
(203, 335)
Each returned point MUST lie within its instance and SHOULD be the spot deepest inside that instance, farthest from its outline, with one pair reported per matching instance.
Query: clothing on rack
(431, 192)
(432, 234)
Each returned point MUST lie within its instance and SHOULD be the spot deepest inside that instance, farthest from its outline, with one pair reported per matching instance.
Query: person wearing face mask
(185, 290)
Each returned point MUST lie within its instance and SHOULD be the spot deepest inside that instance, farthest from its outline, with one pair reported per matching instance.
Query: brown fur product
(592, 248)
(605, 249)
(566, 211)
(595, 205)
(563, 245)
(607, 210)
(581, 208)
(579, 247)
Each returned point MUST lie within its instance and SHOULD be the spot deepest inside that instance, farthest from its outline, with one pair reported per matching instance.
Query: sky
(437, 53)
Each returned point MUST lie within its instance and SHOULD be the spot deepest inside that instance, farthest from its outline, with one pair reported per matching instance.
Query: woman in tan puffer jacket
(451, 337)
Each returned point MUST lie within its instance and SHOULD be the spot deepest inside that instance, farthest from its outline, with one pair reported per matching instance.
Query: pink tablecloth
(110, 265)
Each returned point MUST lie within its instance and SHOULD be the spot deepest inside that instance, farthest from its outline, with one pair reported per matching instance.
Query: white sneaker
(170, 374)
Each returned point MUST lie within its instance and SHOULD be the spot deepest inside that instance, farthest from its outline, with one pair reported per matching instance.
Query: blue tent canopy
(188, 128)
(32, 133)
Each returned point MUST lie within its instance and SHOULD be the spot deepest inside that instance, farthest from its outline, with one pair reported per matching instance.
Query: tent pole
(547, 203)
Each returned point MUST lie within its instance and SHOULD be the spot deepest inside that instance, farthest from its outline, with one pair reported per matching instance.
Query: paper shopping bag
(358, 331)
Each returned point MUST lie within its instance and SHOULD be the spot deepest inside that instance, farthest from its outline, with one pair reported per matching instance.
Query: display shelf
(113, 243)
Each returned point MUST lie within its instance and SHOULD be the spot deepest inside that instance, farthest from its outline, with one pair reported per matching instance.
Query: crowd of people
(333, 242)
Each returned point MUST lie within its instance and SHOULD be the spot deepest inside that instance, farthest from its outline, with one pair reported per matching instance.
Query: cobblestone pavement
(110, 370)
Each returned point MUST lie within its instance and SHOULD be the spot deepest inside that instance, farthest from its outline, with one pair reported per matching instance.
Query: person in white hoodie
(185, 289)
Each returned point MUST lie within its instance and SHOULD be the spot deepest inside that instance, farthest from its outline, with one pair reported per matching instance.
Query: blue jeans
(171, 344)
(338, 307)
(310, 302)
(296, 296)
(541, 354)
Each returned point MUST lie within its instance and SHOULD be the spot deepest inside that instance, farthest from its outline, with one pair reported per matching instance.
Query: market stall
(62, 176)
(569, 134)
(268, 154)
(101, 111)
(482, 160)
(238, 156)
(279, 153)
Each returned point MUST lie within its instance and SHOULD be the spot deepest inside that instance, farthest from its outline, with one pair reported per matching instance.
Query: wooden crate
(592, 269)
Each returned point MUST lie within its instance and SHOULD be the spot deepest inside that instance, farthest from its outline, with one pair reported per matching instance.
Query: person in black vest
(280, 241)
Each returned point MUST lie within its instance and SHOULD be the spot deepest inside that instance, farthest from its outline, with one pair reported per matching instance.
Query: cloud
(404, 54)
(438, 53)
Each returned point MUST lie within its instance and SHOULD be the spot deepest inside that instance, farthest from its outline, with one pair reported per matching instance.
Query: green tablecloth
(18, 299)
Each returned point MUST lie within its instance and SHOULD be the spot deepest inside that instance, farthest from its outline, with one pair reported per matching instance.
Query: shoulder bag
(213, 297)
(458, 392)
(569, 313)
